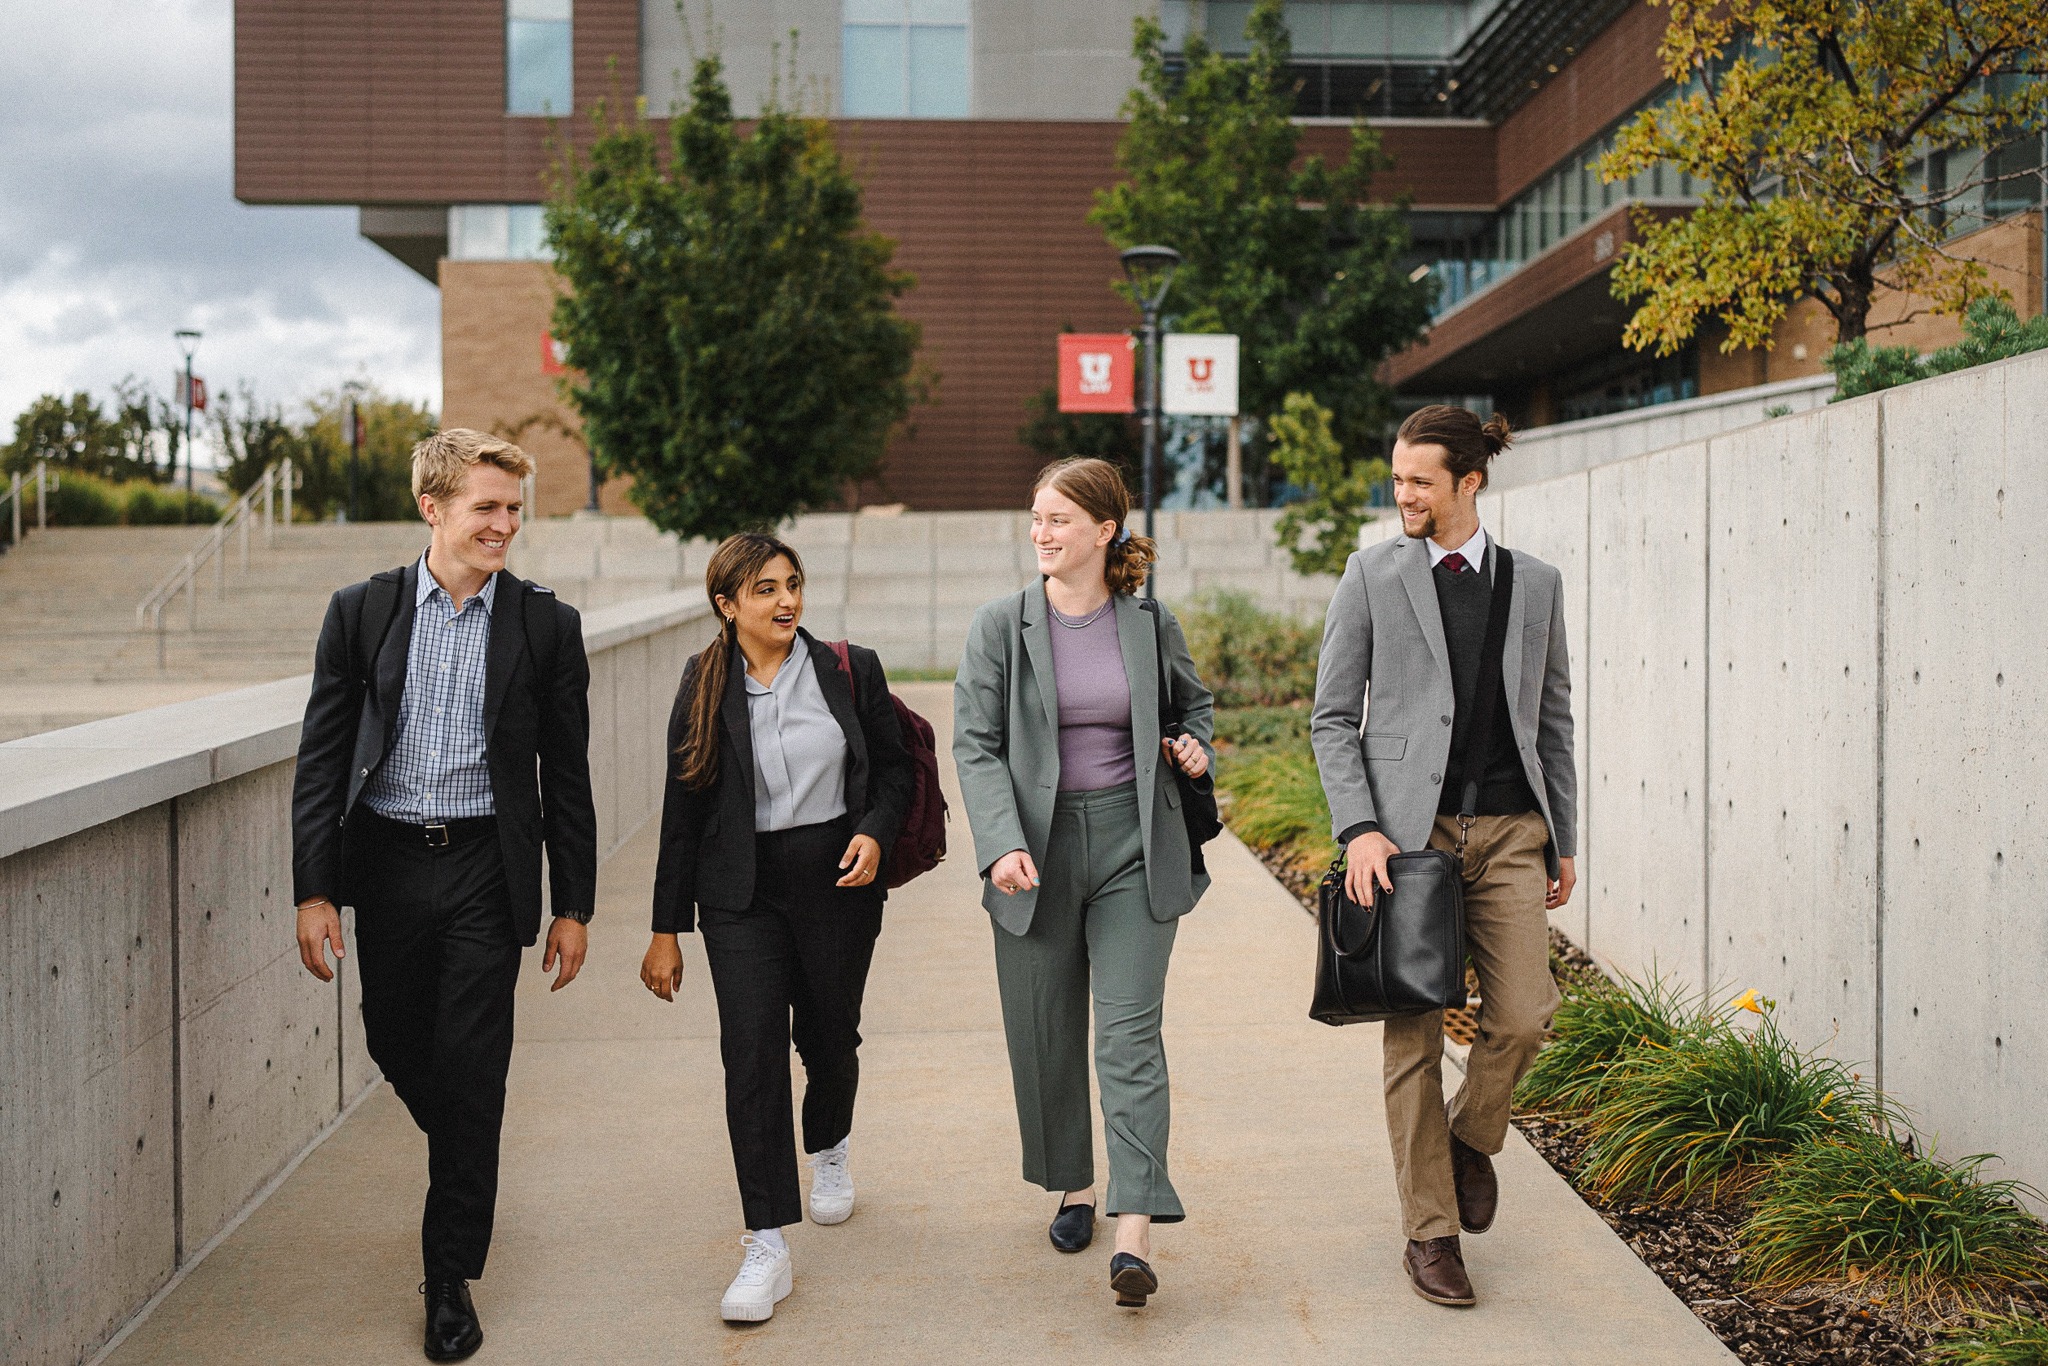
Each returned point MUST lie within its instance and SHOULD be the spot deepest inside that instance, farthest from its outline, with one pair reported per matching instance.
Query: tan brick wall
(2010, 250)
(493, 316)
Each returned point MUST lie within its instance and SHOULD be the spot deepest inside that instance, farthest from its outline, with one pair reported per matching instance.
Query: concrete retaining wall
(162, 1053)
(1808, 668)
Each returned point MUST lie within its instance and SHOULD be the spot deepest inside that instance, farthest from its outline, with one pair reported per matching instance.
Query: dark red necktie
(1454, 562)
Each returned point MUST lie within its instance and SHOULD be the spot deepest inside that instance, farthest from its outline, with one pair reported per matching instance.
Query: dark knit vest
(1464, 599)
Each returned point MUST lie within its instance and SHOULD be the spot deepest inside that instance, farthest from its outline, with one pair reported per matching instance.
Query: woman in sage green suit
(1085, 858)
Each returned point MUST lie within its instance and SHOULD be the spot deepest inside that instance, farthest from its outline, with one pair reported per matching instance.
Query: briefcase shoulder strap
(1169, 710)
(1486, 699)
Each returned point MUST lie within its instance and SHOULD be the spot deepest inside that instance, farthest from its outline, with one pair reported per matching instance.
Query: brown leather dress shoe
(1478, 1187)
(1436, 1268)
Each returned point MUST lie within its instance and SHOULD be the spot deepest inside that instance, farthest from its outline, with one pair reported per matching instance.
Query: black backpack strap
(377, 609)
(543, 630)
(1486, 697)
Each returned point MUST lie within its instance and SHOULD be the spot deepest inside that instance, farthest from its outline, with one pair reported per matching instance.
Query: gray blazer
(1385, 633)
(1006, 745)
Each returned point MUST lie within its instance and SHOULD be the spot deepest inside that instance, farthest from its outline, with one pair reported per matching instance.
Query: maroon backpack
(921, 844)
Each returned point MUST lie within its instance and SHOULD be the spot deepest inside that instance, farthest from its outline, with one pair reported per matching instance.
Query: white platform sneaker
(831, 1186)
(764, 1282)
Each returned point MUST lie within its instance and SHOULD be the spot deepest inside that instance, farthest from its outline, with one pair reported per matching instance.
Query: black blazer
(537, 741)
(707, 837)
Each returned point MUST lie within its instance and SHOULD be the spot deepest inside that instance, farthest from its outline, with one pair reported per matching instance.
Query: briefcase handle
(1333, 886)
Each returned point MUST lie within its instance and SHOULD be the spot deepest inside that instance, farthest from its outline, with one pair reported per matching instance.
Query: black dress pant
(439, 959)
(792, 966)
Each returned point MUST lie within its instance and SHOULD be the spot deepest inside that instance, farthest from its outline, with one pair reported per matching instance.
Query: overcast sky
(118, 225)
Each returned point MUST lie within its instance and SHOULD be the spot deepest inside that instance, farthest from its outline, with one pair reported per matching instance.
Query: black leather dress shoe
(1073, 1228)
(1132, 1280)
(453, 1334)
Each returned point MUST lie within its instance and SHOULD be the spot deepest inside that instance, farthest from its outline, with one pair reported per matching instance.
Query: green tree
(391, 428)
(732, 321)
(1289, 253)
(252, 436)
(1337, 489)
(1831, 138)
(74, 433)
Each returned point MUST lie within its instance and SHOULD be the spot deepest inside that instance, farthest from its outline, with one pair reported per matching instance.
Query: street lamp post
(188, 342)
(1150, 271)
(353, 413)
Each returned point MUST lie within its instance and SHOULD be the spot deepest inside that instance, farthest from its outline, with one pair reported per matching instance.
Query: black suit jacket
(537, 742)
(707, 837)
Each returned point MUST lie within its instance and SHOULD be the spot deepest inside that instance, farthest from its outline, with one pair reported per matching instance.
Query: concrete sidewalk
(618, 1223)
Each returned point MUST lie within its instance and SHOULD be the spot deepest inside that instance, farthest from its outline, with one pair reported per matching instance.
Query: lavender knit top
(1095, 705)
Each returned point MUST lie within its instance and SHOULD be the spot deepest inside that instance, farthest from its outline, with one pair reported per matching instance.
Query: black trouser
(439, 960)
(794, 965)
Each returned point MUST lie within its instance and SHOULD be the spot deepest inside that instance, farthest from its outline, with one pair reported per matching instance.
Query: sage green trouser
(1092, 934)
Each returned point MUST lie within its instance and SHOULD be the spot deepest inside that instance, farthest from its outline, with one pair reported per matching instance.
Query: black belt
(435, 834)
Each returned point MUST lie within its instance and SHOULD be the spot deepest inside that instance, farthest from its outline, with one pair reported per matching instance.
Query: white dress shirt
(1474, 550)
(799, 747)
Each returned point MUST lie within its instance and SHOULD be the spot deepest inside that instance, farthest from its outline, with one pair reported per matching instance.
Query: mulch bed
(1692, 1247)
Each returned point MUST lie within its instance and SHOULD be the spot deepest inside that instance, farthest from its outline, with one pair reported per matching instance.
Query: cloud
(118, 225)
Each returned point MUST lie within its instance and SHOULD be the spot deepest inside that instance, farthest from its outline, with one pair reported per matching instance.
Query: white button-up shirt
(799, 748)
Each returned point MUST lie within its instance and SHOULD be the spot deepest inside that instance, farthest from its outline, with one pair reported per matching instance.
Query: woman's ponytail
(699, 750)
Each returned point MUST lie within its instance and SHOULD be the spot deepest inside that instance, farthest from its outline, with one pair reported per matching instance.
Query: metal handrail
(276, 481)
(46, 482)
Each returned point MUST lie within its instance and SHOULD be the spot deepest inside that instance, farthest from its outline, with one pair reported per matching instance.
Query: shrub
(1995, 1340)
(1250, 657)
(1277, 803)
(78, 500)
(1252, 727)
(1991, 331)
(1857, 1204)
(1600, 1023)
(153, 505)
(1711, 1111)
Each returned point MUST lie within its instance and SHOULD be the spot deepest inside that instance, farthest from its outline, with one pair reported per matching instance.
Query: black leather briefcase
(1402, 955)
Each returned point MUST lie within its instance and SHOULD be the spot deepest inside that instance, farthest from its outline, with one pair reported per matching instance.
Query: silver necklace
(1089, 620)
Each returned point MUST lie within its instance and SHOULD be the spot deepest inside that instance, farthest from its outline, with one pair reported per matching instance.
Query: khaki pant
(1507, 930)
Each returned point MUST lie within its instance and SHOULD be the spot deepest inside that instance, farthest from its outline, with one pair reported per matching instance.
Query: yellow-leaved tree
(1833, 141)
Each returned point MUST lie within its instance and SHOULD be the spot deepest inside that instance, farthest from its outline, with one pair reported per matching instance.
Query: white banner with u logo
(1198, 374)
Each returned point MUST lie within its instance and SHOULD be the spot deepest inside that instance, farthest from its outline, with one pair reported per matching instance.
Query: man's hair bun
(1495, 430)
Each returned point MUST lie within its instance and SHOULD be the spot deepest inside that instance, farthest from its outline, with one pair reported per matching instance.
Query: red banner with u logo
(1098, 373)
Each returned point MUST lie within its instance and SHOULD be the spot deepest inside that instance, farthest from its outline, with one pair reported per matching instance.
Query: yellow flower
(1751, 1002)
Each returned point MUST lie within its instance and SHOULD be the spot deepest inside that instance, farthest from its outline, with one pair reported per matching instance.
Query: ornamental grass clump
(1711, 1111)
(1598, 1024)
(1994, 1340)
(1858, 1207)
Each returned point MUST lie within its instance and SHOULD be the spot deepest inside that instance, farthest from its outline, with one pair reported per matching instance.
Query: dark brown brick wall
(1616, 72)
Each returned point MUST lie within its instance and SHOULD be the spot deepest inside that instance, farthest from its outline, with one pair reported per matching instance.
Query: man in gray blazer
(1406, 626)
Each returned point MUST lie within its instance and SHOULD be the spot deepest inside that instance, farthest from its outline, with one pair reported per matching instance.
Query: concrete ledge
(64, 781)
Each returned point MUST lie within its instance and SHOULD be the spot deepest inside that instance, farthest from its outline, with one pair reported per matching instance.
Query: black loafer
(453, 1334)
(1132, 1280)
(1073, 1228)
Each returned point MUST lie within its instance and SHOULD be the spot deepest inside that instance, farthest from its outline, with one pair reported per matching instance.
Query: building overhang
(416, 234)
(1549, 315)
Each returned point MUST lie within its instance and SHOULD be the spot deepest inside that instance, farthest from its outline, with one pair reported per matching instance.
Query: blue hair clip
(1123, 533)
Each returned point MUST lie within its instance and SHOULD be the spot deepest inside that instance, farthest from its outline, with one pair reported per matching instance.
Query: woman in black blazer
(788, 779)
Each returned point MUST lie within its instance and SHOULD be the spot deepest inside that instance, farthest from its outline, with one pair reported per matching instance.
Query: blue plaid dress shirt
(436, 770)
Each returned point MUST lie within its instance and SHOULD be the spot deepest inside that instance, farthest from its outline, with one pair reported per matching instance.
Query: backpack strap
(844, 655)
(1169, 710)
(543, 630)
(376, 610)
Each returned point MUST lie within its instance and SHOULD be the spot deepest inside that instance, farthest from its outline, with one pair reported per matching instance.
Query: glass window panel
(873, 12)
(478, 232)
(538, 9)
(526, 233)
(538, 76)
(1309, 26)
(1226, 26)
(938, 73)
(938, 11)
(1173, 17)
(1358, 30)
(871, 72)
(1415, 30)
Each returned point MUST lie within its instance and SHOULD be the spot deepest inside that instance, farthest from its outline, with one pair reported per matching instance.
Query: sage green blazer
(1006, 745)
